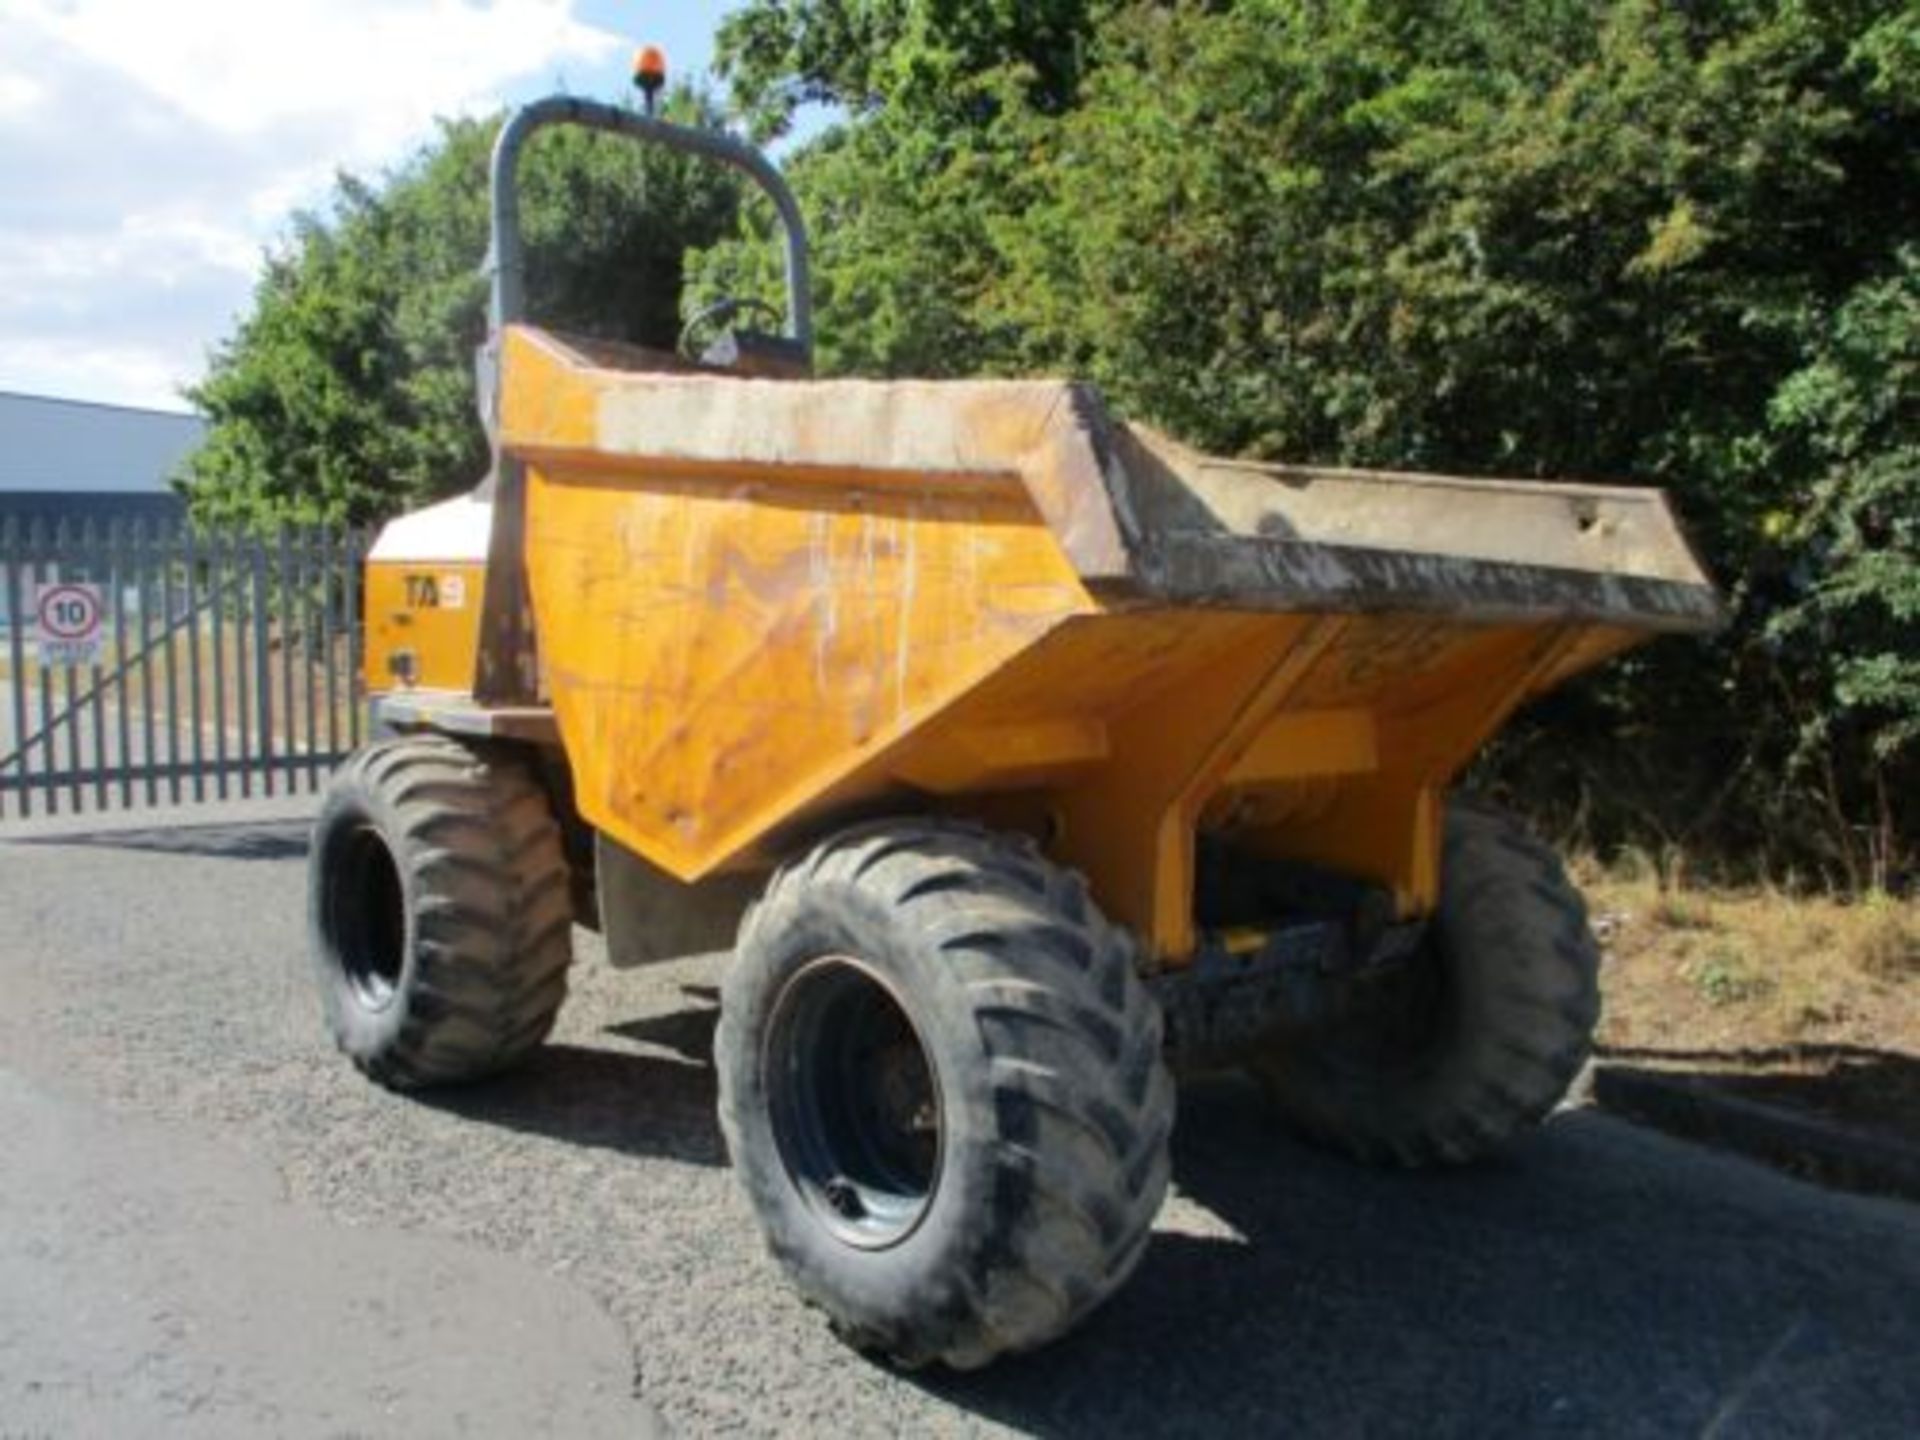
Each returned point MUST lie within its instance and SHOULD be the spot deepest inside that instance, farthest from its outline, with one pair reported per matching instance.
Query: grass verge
(1806, 1002)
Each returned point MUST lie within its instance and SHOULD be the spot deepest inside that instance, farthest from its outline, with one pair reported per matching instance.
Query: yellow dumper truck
(1020, 757)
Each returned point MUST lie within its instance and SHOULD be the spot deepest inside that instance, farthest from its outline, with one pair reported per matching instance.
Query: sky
(150, 150)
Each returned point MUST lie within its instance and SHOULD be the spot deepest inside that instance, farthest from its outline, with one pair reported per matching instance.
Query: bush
(1606, 239)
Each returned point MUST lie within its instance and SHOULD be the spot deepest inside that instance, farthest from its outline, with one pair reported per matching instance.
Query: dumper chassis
(1020, 758)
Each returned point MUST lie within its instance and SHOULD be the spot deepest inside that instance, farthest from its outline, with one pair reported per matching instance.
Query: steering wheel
(722, 312)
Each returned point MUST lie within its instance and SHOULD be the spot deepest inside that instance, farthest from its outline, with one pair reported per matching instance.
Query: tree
(346, 394)
(1848, 625)
(865, 54)
(1607, 239)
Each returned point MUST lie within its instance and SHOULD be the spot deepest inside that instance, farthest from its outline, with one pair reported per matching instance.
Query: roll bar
(505, 672)
(506, 256)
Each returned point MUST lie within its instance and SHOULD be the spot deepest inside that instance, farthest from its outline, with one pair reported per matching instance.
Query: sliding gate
(144, 666)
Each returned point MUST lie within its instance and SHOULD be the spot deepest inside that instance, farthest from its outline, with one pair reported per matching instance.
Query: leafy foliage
(1609, 239)
(1612, 239)
(866, 54)
(347, 392)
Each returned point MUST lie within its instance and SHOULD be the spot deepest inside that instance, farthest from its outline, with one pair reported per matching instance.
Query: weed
(1723, 977)
(1678, 910)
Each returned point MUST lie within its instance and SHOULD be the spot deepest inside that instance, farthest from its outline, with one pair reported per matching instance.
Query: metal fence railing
(146, 666)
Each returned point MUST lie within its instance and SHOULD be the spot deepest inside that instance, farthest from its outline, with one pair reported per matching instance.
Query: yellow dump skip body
(765, 604)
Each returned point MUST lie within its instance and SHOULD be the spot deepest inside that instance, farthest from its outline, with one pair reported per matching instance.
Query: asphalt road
(1603, 1281)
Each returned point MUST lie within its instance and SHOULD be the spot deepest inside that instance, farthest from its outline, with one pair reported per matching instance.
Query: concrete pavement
(153, 1282)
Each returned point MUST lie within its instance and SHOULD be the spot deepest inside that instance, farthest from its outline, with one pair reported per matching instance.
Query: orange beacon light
(650, 73)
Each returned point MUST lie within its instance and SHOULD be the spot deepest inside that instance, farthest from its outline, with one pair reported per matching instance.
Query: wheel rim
(368, 917)
(855, 1102)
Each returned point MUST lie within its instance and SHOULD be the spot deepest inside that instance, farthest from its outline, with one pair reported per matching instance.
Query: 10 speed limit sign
(69, 618)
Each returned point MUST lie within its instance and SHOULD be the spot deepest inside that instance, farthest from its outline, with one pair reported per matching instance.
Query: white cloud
(18, 94)
(149, 152)
(384, 68)
(91, 369)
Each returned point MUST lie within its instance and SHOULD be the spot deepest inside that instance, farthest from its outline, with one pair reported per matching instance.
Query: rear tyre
(1476, 1038)
(438, 912)
(941, 1086)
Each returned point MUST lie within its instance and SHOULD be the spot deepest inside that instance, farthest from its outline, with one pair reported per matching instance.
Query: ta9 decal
(436, 592)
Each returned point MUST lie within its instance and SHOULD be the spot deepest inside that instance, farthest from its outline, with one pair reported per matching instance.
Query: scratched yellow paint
(719, 653)
(739, 657)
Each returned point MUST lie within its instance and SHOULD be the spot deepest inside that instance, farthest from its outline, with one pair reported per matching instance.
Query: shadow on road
(688, 1033)
(1602, 1281)
(1853, 1084)
(252, 840)
(637, 1103)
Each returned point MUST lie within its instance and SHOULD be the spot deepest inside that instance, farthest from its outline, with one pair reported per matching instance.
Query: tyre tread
(1071, 1042)
(1541, 1006)
(481, 849)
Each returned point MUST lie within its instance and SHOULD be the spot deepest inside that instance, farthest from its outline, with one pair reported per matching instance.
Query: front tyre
(438, 914)
(941, 1086)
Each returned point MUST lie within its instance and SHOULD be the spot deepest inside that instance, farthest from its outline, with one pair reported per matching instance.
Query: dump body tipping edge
(1141, 519)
